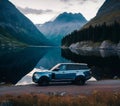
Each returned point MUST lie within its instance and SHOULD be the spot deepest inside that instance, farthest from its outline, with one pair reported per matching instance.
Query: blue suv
(77, 73)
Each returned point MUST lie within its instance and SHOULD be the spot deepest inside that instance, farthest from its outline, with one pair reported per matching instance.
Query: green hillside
(8, 40)
(15, 26)
(109, 18)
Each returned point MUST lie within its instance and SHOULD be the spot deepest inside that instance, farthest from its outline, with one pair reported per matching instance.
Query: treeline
(97, 33)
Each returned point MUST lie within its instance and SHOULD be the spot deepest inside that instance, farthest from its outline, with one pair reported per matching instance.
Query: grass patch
(96, 99)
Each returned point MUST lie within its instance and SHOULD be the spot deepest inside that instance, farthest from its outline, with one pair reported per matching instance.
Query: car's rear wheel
(80, 80)
(43, 81)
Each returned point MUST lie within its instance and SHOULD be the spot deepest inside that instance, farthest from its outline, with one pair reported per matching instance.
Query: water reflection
(100, 53)
(50, 59)
(105, 64)
(16, 63)
(108, 53)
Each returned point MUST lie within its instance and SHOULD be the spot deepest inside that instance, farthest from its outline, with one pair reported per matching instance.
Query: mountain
(15, 27)
(108, 12)
(64, 24)
(105, 26)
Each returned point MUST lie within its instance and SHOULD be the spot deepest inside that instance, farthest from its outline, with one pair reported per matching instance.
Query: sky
(41, 11)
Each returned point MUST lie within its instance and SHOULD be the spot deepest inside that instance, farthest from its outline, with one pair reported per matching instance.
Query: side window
(62, 67)
(83, 67)
(68, 67)
(72, 67)
(75, 67)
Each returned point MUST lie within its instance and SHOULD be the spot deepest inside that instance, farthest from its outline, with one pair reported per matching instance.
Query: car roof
(73, 63)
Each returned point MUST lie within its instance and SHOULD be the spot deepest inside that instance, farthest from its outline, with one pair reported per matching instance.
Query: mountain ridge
(14, 23)
(64, 24)
(107, 4)
(105, 14)
(104, 28)
(68, 17)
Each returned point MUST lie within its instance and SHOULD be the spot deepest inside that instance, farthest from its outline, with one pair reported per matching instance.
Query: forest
(97, 33)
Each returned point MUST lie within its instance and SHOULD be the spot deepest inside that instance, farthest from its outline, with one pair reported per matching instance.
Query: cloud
(83, 1)
(68, 2)
(79, 1)
(65, 0)
(28, 10)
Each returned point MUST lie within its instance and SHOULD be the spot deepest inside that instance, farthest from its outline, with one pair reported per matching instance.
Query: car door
(70, 71)
(60, 73)
(64, 72)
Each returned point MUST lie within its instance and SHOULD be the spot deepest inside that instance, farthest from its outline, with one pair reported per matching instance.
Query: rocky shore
(89, 45)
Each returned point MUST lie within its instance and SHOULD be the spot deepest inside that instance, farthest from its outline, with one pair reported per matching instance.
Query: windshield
(55, 67)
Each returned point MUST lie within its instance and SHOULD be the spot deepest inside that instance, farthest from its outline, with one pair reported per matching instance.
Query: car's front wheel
(43, 81)
(80, 80)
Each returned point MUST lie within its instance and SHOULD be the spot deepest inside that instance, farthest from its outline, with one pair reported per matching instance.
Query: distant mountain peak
(67, 17)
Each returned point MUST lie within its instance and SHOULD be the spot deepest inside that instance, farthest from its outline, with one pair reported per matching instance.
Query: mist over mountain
(15, 27)
(64, 24)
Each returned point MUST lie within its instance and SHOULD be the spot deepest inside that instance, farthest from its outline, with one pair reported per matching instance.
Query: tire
(80, 80)
(43, 81)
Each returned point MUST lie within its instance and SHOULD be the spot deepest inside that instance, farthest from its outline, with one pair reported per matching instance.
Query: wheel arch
(80, 76)
(80, 80)
(44, 77)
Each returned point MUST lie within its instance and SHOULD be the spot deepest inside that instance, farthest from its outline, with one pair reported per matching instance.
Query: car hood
(41, 70)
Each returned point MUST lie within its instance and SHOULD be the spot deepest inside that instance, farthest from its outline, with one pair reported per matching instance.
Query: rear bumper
(88, 77)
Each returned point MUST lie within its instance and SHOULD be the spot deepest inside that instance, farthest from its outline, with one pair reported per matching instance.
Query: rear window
(76, 67)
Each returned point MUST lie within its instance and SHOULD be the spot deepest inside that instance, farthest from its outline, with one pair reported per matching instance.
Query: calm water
(18, 64)
(105, 64)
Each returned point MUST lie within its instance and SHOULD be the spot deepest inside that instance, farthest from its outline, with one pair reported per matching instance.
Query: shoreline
(91, 46)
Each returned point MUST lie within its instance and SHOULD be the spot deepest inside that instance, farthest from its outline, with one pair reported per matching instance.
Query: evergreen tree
(97, 33)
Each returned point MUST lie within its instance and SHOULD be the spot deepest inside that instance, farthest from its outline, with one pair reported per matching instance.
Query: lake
(18, 64)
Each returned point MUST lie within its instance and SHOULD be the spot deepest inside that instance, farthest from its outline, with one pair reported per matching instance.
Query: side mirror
(56, 69)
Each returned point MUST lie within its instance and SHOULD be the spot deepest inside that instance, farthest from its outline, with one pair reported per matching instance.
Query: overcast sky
(40, 11)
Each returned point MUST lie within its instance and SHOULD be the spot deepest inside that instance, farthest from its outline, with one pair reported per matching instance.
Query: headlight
(36, 76)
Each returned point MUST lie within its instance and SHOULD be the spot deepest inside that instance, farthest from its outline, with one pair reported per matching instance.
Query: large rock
(118, 46)
(90, 46)
(108, 45)
(85, 45)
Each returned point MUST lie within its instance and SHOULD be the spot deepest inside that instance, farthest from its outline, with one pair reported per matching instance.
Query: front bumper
(35, 78)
